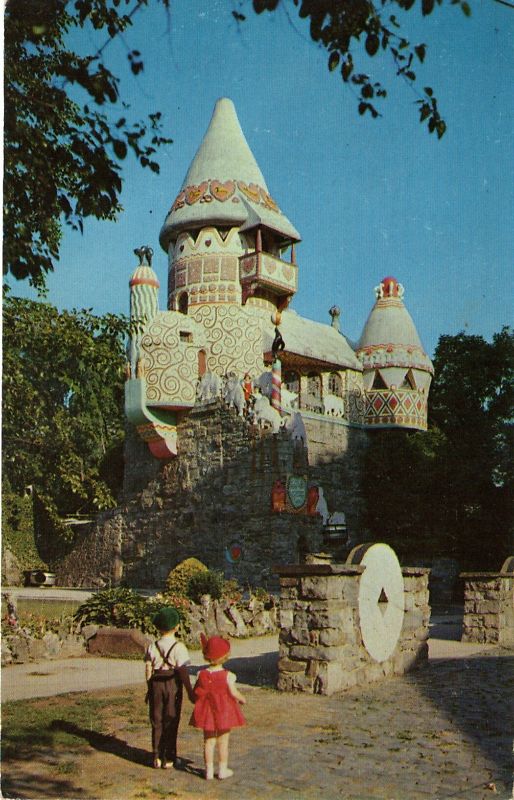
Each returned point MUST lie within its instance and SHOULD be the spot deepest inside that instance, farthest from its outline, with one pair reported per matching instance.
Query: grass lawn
(47, 608)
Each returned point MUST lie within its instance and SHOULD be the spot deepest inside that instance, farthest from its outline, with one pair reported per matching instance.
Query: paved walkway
(443, 732)
(47, 678)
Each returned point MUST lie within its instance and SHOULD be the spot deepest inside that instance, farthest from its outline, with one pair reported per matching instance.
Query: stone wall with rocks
(247, 619)
(321, 649)
(217, 492)
(488, 608)
(20, 646)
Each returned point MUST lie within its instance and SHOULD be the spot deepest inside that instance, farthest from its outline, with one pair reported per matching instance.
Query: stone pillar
(488, 608)
(321, 647)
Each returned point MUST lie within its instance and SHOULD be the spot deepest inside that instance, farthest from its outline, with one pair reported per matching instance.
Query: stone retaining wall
(320, 644)
(215, 493)
(488, 608)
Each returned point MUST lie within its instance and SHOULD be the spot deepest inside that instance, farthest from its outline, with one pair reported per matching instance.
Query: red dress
(215, 708)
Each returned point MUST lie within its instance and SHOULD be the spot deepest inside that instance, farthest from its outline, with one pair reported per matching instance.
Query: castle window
(378, 381)
(408, 381)
(292, 381)
(183, 303)
(335, 384)
(314, 384)
(202, 363)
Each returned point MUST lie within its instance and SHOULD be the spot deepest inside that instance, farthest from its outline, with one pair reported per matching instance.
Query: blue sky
(370, 197)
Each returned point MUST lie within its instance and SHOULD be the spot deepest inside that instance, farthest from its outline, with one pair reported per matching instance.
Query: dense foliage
(65, 139)
(120, 608)
(210, 582)
(63, 156)
(177, 582)
(450, 491)
(18, 529)
(63, 405)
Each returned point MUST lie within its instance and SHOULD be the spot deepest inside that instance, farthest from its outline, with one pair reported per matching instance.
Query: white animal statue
(288, 399)
(334, 405)
(296, 427)
(263, 382)
(209, 387)
(321, 506)
(233, 394)
(264, 412)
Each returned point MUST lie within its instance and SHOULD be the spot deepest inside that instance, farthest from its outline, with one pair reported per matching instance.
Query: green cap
(166, 619)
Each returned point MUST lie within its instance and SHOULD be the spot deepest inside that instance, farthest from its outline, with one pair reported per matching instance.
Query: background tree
(449, 492)
(63, 405)
(65, 140)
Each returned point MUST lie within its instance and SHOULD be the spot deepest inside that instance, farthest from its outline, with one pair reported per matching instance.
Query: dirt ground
(442, 732)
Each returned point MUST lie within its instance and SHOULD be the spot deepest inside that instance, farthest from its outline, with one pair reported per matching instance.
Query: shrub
(208, 582)
(121, 608)
(178, 580)
(232, 591)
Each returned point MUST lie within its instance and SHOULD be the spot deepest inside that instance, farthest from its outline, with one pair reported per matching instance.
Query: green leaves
(62, 403)
(333, 61)
(62, 159)
(372, 44)
(343, 26)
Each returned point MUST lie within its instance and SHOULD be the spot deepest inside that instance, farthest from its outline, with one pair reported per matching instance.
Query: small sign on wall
(294, 494)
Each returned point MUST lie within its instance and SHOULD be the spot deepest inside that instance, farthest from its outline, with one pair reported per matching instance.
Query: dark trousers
(165, 702)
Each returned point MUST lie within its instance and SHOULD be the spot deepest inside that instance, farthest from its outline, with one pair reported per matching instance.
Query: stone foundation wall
(488, 608)
(216, 492)
(320, 643)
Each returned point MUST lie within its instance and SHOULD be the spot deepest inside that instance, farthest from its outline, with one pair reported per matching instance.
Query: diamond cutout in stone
(383, 601)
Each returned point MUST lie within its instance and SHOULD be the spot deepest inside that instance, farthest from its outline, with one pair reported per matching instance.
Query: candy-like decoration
(276, 384)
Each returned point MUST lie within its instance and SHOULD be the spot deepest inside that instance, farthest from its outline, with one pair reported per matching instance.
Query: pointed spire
(224, 185)
(224, 153)
(390, 337)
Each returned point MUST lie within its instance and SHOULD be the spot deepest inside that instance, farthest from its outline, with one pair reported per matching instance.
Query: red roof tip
(390, 285)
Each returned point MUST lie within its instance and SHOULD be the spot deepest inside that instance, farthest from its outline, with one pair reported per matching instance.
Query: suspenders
(165, 673)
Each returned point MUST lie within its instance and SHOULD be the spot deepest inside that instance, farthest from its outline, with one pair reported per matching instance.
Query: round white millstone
(381, 601)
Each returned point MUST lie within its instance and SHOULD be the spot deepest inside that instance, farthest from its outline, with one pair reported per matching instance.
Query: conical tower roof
(390, 338)
(224, 185)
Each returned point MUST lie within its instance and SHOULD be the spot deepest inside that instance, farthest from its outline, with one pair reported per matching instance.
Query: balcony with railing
(262, 270)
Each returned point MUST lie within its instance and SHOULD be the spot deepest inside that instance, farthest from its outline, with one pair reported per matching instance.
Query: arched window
(183, 302)
(202, 363)
(335, 384)
(314, 384)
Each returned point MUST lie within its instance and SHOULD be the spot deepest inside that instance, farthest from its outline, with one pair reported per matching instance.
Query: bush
(179, 577)
(121, 608)
(232, 591)
(208, 582)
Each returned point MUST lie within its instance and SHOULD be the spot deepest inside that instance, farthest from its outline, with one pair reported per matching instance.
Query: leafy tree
(65, 142)
(62, 404)
(63, 157)
(449, 492)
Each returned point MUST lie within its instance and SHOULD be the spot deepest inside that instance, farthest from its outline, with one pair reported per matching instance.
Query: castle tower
(144, 302)
(223, 213)
(397, 371)
(226, 240)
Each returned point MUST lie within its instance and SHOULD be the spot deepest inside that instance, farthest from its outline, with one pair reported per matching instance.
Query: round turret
(397, 371)
(224, 186)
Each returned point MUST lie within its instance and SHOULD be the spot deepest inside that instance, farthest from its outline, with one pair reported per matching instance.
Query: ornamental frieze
(210, 190)
(397, 355)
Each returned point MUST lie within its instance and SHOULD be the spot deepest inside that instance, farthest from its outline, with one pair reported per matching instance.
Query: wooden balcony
(261, 270)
